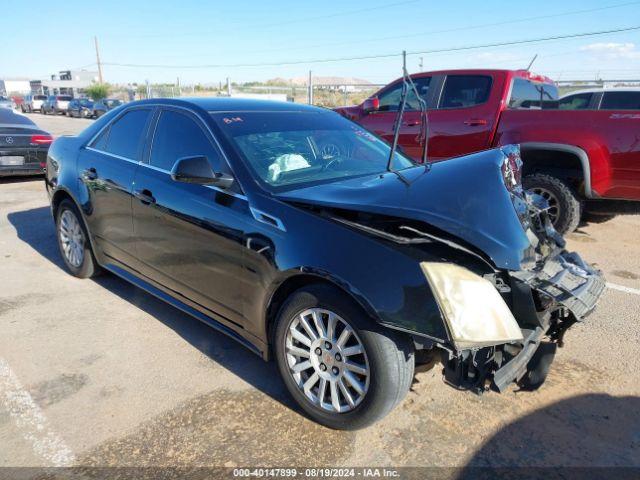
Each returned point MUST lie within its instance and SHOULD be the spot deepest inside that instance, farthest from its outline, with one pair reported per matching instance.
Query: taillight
(41, 139)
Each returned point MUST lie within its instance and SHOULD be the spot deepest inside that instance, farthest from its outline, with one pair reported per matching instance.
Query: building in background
(66, 82)
(12, 86)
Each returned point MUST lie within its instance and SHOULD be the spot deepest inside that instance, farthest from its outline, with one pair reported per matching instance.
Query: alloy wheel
(327, 360)
(552, 200)
(71, 238)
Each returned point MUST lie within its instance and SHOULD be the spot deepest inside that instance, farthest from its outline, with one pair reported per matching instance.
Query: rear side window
(620, 101)
(390, 99)
(528, 94)
(178, 135)
(579, 101)
(462, 91)
(124, 136)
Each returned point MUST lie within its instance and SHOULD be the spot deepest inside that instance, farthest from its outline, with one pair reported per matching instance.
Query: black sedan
(290, 229)
(102, 106)
(80, 107)
(23, 146)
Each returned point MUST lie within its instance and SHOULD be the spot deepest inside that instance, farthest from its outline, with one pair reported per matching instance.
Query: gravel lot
(101, 373)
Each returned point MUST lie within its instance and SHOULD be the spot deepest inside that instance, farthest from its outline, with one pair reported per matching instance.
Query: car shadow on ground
(585, 436)
(35, 227)
(20, 179)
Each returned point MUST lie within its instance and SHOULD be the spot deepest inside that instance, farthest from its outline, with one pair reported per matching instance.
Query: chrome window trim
(109, 154)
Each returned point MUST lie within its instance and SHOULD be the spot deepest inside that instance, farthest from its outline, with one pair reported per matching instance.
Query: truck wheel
(564, 206)
(345, 371)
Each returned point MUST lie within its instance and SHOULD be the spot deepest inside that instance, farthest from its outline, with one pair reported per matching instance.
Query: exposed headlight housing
(474, 311)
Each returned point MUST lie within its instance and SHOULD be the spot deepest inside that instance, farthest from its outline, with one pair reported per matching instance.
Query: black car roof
(9, 118)
(226, 104)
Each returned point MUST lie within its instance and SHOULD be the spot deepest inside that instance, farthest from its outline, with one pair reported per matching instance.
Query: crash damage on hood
(498, 232)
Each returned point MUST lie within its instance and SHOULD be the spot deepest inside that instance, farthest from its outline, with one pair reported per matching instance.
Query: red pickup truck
(569, 155)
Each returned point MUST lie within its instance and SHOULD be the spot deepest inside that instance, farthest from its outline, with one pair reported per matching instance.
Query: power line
(456, 29)
(285, 22)
(370, 57)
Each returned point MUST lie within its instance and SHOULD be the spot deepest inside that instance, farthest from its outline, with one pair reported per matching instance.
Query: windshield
(112, 103)
(64, 98)
(287, 150)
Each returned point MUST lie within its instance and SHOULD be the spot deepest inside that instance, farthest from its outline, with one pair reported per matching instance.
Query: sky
(207, 41)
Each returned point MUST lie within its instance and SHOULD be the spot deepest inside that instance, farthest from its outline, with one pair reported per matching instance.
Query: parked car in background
(616, 98)
(32, 103)
(100, 107)
(6, 102)
(56, 104)
(569, 155)
(80, 107)
(299, 234)
(23, 146)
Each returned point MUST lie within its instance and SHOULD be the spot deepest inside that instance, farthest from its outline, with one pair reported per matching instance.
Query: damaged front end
(551, 291)
(505, 287)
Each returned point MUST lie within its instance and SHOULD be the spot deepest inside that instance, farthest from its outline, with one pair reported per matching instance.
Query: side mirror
(371, 105)
(198, 170)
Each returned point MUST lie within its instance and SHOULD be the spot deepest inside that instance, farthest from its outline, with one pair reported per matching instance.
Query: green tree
(98, 91)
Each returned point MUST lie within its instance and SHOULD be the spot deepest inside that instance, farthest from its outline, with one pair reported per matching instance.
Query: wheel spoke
(353, 381)
(298, 352)
(335, 399)
(355, 350)
(354, 367)
(322, 389)
(301, 337)
(344, 336)
(346, 394)
(307, 327)
(317, 320)
(331, 327)
(302, 366)
(312, 380)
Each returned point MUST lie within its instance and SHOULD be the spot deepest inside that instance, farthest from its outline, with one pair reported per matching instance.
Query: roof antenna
(531, 62)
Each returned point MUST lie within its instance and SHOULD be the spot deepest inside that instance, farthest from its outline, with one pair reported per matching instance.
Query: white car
(6, 102)
(32, 103)
(616, 98)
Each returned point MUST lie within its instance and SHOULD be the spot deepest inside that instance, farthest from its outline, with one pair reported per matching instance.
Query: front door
(381, 122)
(107, 167)
(467, 113)
(190, 237)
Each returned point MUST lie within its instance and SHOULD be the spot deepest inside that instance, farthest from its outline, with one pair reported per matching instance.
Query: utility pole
(95, 40)
(228, 87)
(310, 93)
(421, 60)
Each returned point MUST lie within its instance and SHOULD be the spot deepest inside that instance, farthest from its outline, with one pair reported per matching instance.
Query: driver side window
(390, 99)
(176, 136)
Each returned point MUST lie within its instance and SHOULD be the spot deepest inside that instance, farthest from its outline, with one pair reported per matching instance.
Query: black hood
(465, 197)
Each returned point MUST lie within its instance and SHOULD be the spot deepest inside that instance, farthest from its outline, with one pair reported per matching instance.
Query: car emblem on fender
(8, 139)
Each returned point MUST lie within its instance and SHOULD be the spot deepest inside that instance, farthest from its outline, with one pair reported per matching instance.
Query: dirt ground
(99, 373)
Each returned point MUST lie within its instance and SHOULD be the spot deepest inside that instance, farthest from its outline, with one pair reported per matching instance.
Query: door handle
(475, 122)
(90, 174)
(412, 123)
(145, 196)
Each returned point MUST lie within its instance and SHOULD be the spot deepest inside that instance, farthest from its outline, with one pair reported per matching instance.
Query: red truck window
(620, 101)
(461, 91)
(528, 94)
(390, 98)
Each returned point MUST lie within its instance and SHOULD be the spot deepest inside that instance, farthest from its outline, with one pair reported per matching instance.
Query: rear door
(106, 168)
(466, 116)
(190, 237)
(381, 122)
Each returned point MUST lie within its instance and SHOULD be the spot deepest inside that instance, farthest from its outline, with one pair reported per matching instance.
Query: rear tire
(384, 368)
(73, 242)
(565, 206)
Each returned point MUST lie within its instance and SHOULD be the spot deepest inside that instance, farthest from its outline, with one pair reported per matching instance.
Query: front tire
(344, 370)
(565, 208)
(73, 242)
